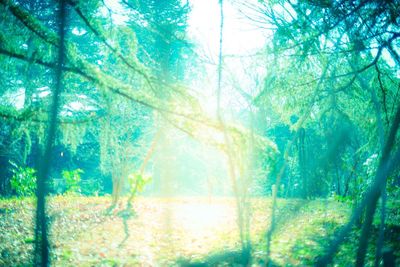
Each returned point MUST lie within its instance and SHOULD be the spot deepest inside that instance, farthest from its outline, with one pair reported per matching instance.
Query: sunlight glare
(200, 218)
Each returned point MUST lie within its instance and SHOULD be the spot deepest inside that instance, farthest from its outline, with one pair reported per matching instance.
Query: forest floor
(169, 232)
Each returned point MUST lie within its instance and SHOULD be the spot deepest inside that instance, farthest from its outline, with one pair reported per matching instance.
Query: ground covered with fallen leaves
(167, 232)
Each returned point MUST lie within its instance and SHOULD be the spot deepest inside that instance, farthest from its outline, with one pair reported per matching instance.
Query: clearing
(168, 232)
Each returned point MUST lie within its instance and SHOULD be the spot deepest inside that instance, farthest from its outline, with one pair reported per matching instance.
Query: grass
(165, 231)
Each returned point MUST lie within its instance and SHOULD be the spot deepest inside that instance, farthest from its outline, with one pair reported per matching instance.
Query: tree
(336, 61)
(111, 96)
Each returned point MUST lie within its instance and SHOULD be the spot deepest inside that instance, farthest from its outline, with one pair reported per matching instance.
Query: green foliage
(343, 199)
(72, 179)
(23, 181)
(137, 182)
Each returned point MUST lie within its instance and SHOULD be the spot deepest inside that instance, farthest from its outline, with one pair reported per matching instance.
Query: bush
(72, 179)
(23, 181)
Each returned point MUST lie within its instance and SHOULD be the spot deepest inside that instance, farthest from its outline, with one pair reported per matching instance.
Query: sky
(239, 36)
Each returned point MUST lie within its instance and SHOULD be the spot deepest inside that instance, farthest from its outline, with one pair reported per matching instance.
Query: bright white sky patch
(76, 105)
(240, 38)
(119, 13)
(79, 106)
(77, 31)
(43, 91)
(18, 99)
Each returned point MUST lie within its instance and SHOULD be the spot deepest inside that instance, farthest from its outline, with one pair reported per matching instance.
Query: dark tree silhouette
(41, 231)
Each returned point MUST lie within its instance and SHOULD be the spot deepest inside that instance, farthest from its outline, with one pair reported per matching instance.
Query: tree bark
(41, 236)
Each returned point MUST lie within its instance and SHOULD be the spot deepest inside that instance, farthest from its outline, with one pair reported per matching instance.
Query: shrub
(23, 181)
(72, 179)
